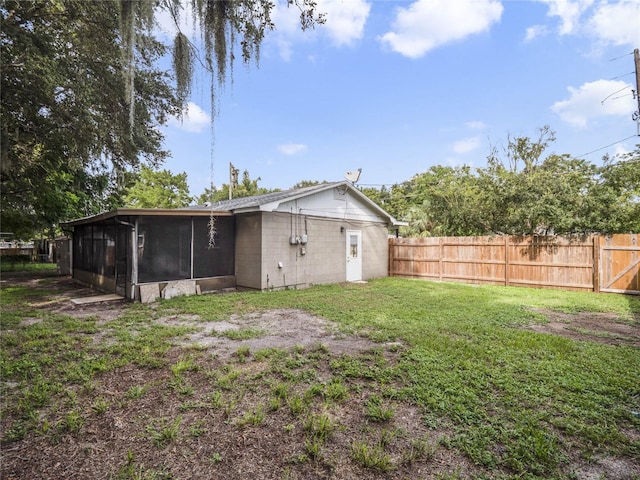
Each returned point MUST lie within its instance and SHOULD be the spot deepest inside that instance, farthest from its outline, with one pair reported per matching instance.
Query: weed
(280, 390)
(386, 437)
(275, 403)
(132, 471)
(371, 457)
(215, 400)
(180, 386)
(163, 432)
(335, 391)
(72, 422)
(16, 432)
(319, 426)
(215, 457)
(265, 353)
(226, 382)
(243, 353)
(128, 471)
(313, 447)
(287, 474)
(296, 404)
(99, 406)
(136, 391)
(197, 428)
(185, 364)
(243, 334)
(314, 391)
(377, 411)
(449, 475)
(419, 449)
(228, 409)
(254, 418)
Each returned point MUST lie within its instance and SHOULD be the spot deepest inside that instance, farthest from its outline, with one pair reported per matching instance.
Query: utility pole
(636, 115)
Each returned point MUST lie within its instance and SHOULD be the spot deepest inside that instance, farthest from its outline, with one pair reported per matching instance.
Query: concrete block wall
(277, 228)
(375, 251)
(324, 258)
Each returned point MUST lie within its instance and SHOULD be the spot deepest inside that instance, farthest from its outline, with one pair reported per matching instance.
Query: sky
(396, 87)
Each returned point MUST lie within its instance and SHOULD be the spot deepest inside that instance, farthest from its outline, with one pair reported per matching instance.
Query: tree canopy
(83, 94)
(158, 189)
(246, 188)
(68, 146)
(520, 192)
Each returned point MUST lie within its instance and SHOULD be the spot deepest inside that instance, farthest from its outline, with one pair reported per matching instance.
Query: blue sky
(397, 87)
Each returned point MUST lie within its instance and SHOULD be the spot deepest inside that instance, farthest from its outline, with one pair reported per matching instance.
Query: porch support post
(134, 259)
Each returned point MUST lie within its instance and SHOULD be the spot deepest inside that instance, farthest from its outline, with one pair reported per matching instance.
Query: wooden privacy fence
(595, 262)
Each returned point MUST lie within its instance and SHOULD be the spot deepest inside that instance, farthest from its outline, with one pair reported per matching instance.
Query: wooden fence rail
(594, 263)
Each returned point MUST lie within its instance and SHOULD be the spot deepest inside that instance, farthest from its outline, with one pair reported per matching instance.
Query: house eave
(149, 212)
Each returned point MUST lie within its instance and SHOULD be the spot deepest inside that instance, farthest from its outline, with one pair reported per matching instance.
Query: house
(325, 233)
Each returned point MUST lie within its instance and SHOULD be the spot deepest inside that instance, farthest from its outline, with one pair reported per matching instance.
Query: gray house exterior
(327, 233)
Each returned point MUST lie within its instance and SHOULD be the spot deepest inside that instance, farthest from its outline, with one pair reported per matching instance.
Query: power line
(606, 146)
(623, 75)
(621, 56)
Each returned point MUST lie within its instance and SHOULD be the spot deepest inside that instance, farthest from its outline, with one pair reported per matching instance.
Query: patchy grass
(453, 386)
(19, 263)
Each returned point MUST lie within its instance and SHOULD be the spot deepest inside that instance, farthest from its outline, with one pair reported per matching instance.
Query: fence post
(391, 252)
(506, 260)
(596, 263)
(440, 258)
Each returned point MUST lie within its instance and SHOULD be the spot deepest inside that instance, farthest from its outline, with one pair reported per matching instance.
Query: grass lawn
(454, 384)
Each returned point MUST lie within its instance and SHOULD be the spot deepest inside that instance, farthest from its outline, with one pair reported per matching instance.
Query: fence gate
(620, 264)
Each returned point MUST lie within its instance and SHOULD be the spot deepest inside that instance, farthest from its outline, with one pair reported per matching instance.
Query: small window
(353, 242)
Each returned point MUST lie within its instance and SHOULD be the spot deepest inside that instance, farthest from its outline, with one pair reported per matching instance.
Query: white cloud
(594, 99)
(345, 19)
(466, 145)
(194, 119)
(535, 31)
(476, 125)
(292, 148)
(618, 23)
(620, 150)
(428, 24)
(345, 22)
(569, 12)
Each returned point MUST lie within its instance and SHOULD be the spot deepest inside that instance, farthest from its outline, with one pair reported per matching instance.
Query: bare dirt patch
(58, 290)
(279, 328)
(590, 326)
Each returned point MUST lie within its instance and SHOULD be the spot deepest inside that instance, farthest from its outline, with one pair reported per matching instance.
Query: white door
(354, 255)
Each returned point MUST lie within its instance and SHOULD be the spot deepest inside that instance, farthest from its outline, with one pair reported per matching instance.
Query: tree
(158, 189)
(82, 95)
(522, 192)
(307, 183)
(247, 188)
(613, 205)
(67, 144)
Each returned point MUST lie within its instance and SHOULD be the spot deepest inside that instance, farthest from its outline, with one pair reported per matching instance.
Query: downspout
(134, 254)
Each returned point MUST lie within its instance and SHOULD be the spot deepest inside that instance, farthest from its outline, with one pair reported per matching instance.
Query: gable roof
(270, 201)
(256, 201)
(267, 202)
